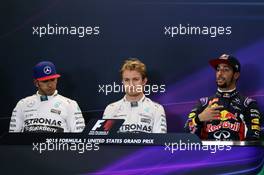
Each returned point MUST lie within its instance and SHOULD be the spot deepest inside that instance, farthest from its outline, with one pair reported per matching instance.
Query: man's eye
(223, 69)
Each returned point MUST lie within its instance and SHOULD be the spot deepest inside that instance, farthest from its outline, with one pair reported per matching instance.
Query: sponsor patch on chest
(55, 111)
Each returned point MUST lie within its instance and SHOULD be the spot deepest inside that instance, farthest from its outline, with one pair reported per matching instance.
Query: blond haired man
(140, 113)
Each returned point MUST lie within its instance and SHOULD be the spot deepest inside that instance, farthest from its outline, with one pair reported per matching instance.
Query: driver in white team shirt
(140, 113)
(46, 111)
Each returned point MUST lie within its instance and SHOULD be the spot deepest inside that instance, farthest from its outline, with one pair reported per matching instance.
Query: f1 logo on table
(103, 125)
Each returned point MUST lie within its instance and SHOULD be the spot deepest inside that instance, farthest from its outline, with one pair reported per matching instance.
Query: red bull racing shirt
(240, 119)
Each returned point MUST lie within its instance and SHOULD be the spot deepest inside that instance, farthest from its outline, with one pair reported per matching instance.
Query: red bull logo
(226, 115)
(232, 126)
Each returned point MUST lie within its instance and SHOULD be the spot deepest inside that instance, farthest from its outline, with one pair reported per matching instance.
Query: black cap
(226, 59)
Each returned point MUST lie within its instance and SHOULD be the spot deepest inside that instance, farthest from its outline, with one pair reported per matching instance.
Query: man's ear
(36, 83)
(237, 75)
(145, 80)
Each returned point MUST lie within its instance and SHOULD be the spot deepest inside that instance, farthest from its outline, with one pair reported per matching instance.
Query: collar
(47, 97)
(134, 103)
(226, 94)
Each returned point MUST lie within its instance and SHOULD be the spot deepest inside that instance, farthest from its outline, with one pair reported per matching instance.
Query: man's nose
(49, 84)
(219, 72)
(131, 83)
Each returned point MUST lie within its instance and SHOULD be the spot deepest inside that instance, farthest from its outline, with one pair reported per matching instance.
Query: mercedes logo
(31, 104)
(47, 70)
